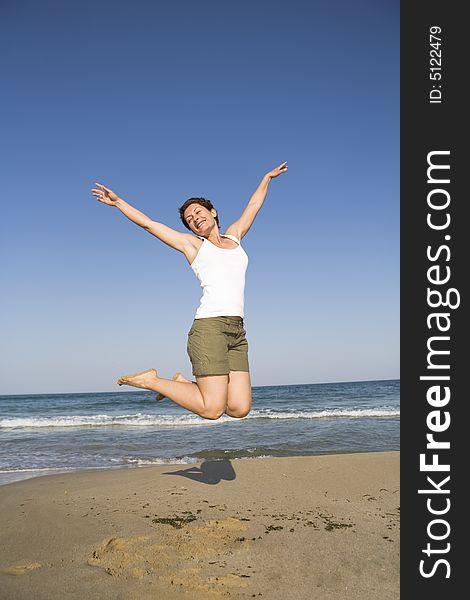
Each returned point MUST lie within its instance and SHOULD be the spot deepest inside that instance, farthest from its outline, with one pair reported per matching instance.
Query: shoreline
(50, 472)
(323, 526)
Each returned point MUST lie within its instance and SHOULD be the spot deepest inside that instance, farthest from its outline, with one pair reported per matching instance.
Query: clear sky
(161, 101)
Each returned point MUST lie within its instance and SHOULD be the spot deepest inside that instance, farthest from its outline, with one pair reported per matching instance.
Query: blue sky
(162, 101)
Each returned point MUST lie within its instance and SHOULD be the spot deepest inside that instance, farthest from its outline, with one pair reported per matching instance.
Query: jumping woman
(217, 345)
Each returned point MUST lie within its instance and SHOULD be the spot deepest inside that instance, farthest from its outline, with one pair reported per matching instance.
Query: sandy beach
(323, 527)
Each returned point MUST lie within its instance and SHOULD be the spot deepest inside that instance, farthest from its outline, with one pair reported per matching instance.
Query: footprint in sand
(21, 568)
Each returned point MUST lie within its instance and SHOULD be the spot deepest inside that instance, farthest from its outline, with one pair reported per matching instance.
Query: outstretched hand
(278, 170)
(105, 195)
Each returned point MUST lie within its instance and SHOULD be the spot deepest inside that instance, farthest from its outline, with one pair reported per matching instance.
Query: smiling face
(199, 219)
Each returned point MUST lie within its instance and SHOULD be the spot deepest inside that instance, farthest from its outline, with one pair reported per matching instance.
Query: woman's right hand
(105, 195)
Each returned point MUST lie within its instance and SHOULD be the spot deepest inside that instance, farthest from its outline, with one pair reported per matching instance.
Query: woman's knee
(238, 413)
(214, 405)
(214, 394)
(213, 412)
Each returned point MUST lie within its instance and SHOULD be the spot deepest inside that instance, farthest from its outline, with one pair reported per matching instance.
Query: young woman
(217, 346)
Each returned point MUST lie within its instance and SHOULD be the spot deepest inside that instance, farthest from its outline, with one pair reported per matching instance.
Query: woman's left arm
(240, 227)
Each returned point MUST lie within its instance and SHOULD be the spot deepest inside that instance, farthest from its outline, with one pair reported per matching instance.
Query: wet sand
(317, 527)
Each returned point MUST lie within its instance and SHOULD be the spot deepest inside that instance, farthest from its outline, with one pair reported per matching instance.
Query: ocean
(51, 433)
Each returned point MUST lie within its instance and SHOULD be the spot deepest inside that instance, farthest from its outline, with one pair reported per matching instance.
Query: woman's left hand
(278, 170)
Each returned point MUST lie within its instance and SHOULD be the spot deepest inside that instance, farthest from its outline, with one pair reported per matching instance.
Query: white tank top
(221, 272)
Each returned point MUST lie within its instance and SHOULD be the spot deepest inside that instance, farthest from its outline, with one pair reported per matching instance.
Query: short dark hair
(203, 202)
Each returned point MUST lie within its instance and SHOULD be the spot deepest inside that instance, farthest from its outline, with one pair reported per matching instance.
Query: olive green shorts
(217, 345)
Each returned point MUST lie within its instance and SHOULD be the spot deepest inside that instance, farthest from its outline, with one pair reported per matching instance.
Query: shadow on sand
(210, 472)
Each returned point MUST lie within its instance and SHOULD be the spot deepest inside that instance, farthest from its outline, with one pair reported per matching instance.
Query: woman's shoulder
(235, 231)
(195, 240)
(192, 247)
(231, 236)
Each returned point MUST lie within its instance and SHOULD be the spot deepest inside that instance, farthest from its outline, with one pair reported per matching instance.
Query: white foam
(141, 462)
(255, 457)
(327, 413)
(143, 420)
(136, 420)
(32, 470)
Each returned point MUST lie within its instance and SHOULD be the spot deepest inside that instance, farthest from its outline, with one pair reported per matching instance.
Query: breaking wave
(148, 420)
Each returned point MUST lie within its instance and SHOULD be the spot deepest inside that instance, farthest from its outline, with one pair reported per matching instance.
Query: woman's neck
(215, 237)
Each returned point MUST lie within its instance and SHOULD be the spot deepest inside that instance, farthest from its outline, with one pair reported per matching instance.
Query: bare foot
(139, 380)
(176, 377)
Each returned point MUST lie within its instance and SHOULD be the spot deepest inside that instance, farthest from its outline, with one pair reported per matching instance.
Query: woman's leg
(239, 394)
(176, 377)
(207, 398)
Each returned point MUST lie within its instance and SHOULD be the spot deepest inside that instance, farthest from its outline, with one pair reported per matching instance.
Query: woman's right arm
(180, 241)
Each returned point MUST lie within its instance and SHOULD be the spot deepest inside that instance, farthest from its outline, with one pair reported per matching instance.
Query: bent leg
(176, 377)
(207, 398)
(239, 394)
(214, 390)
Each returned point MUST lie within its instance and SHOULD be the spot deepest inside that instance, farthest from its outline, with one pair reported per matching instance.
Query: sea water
(50, 433)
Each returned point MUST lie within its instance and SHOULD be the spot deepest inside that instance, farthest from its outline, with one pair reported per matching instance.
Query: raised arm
(171, 237)
(240, 227)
